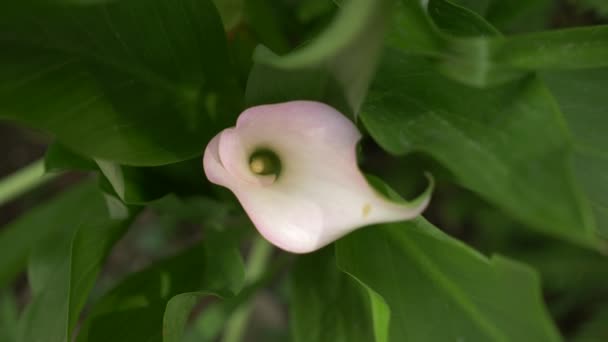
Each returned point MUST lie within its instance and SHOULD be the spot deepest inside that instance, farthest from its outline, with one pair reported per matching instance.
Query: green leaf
(141, 185)
(335, 68)
(135, 309)
(326, 304)
(478, 6)
(9, 313)
(508, 144)
(459, 21)
(224, 277)
(64, 266)
(231, 12)
(520, 16)
(135, 82)
(486, 59)
(582, 99)
(20, 237)
(575, 278)
(266, 21)
(61, 158)
(438, 289)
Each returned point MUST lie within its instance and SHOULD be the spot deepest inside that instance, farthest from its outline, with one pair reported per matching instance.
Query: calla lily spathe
(317, 193)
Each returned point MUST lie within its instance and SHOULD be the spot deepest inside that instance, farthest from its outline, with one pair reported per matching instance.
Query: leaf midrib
(428, 267)
(144, 75)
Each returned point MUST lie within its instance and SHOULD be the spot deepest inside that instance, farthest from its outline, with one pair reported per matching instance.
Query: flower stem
(261, 251)
(23, 180)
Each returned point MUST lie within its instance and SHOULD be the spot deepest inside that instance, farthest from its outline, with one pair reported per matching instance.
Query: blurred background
(575, 280)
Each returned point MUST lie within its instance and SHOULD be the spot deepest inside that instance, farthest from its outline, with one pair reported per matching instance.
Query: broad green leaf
(508, 143)
(134, 310)
(19, 238)
(581, 96)
(135, 82)
(336, 67)
(64, 266)
(486, 60)
(438, 289)
(326, 304)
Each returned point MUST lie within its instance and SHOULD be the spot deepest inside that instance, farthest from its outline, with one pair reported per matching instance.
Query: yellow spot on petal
(367, 208)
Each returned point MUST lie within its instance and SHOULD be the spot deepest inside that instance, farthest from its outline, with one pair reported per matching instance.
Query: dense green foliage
(508, 111)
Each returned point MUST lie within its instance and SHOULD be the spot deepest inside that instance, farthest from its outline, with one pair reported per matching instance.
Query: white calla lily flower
(294, 169)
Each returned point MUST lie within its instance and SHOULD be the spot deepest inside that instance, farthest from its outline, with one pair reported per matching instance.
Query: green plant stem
(23, 180)
(259, 256)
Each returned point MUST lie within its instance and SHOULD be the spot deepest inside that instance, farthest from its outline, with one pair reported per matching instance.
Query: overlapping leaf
(20, 238)
(508, 143)
(334, 68)
(581, 96)
(483, 59)
(63, 269)
(135, 308)
(328, 305)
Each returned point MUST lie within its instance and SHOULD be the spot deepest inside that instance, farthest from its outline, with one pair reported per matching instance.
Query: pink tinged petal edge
(321, 195)
(212, 165)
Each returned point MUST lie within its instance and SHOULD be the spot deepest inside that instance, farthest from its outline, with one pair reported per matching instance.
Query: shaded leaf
(9, 313)
(141, 185)
(326, 304)
(60, 158)
(486, 59)
(132, 81)
(62, 269)
(520, 16)
(19, 238)
(581, 96)
(334, 68)
(214, 267)
(224, 277)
